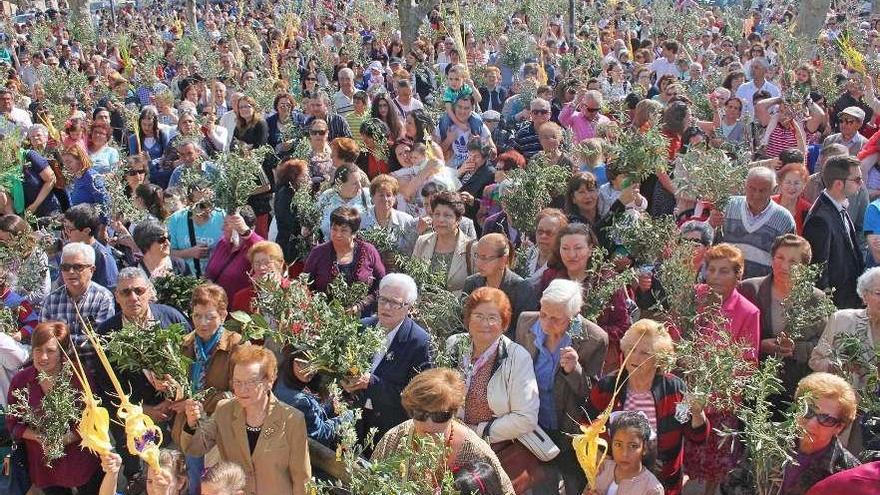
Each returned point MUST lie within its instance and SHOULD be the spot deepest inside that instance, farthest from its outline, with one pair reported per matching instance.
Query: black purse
(14, 479)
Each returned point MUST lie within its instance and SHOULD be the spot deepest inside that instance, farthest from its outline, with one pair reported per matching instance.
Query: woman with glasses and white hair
(857, 325)
(567, 350)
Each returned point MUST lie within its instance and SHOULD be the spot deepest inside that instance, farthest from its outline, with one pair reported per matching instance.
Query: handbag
(540, 444)
(14, 478)
(522, 467)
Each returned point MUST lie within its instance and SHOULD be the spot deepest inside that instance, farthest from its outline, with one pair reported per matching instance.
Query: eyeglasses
(434, 416)
(318, 132)
(76, 267)
(540, 111)
(857, 180)
(133, 172)
(487, 319)
(248, 384)
(823, 419)
(133, 290)
(391, 303)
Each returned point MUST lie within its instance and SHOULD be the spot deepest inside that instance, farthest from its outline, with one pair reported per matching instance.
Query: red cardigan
(668, 391)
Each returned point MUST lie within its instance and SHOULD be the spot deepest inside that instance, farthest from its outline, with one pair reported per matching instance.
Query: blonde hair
(228, 475)
(820, 385)
(650, 330)
(437, 389)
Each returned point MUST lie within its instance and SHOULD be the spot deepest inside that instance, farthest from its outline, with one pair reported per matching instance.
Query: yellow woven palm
(854, 59)
(142, 436)
(94, 425)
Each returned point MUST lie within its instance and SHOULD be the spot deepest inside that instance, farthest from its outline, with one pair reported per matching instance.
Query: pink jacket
(229, 267)
(745, 322)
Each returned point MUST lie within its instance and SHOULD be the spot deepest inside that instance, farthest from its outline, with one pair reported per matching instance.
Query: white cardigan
(512, 391)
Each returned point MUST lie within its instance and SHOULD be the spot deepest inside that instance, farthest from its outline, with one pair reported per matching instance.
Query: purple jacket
(230, 268)
(368, 269)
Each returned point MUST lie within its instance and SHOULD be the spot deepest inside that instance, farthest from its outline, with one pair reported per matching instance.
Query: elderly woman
(567, 350)
(820, 451)
(862, 325)
(493, 256)
(266, 260)
(793, 178)
(476, 173)
(549, 222)
(103, 156)
(78, 468)
(501, 401)
(767, 293)
(431, 399)
(346, 191)
(709, 461)
(401, 226)
(347, 256)
(571, 257)
(85, 185)
(210, 347)
(446, 248)
(255, 418)
(645, 387)
(229, 265)
(151, 237)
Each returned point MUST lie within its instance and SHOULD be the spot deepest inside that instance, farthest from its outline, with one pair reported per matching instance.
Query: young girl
(224, 478)
(633, 451)
(169, 480)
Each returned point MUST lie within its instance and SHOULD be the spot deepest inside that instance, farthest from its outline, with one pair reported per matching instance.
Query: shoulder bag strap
(192, 241)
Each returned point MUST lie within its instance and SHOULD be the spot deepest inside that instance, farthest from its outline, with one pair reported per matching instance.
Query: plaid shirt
(668, 391)
(95, 306)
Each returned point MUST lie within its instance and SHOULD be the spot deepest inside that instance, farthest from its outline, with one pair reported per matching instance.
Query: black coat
(828, 238)
(497, 104)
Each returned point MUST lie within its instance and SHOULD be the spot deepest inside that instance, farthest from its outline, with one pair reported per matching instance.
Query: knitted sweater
(754, 235)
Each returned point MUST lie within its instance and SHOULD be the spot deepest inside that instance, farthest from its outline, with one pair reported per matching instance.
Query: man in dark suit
(492, 93)
(407, 352)
(832, 234)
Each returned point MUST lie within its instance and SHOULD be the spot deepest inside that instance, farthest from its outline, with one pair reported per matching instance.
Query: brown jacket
(280, 462)
(217, 377)
(570, 391)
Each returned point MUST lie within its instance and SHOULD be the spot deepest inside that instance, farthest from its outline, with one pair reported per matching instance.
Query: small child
(169, 480)
(592, 159)
(456, 89)
(224, 478)
(633, 452)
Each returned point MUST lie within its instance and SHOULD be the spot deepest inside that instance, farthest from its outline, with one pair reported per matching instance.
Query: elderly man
(134, 293)
(342, 100)
(10, 116)
(854, 96)
(850, 120)
(582, 115)
(746, 91)
(407, 352)
(81, 224)
(526, 141)
(832, 234)
(752, 222)
(78, 295)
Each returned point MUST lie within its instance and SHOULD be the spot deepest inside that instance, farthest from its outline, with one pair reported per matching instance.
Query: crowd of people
(393, 161)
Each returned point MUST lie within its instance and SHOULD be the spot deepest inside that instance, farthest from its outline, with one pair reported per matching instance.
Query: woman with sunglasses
(501, 398)
(431, 399)
(860, 324)
(151, 238)
(320, 159)
(832, 407)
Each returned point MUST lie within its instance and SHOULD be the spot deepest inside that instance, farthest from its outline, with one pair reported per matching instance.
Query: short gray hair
(595, 95)
(404, 282)
(38, 128)
(763, 173)
(760, 62)
(79, 248)
(567, 292)
(134, 272)
(867, 280)
(347, 71)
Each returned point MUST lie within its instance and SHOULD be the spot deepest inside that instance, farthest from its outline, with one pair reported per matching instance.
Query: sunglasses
(203, 205)
(435, 417)
(318, 132)
(823, 419)
(162, 240)
(133, 290)
(75, 267)
(849, 121)
(541, 112)
(134, 172)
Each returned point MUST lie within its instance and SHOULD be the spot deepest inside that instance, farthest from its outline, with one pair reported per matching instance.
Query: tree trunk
(191, 14)
(811, 18)
(80, 8)
(411, 15)
(875, 7)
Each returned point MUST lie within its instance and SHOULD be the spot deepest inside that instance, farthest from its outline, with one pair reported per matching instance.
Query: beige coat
(458, 267)
(280, 462)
